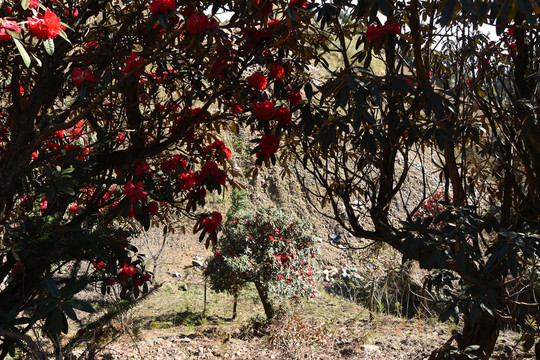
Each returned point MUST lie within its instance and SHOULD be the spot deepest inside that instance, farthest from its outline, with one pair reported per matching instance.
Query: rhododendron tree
(269, 248)
(117, 106)
(110, 122)
(446, 105)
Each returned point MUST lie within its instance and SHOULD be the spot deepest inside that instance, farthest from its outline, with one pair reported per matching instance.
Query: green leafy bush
(268, 248)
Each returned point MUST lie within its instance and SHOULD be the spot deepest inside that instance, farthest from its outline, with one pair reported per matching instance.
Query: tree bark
(235, 305)
(484, 333)
(263, 294)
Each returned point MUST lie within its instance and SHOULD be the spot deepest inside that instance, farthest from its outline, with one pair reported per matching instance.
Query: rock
(201, 351)
(184, 287)
(197, 263)
(370, 348)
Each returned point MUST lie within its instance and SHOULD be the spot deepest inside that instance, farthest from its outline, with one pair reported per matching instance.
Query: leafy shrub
(267, 248)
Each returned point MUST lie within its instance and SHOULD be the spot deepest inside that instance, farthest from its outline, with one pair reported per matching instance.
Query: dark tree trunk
(484, 333)
(268, 308)
(235, 305)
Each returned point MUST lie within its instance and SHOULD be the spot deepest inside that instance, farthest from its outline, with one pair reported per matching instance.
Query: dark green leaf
(51, 286)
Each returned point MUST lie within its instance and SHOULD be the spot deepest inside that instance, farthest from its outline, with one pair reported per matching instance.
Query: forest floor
(173, 323)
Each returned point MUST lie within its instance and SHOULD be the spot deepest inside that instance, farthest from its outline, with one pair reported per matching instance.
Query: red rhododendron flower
(302, 4)
(17, 268)
(34, 4)
(295, 98)
(120, 137)
(134, 193)
(377, 33)
(9, 25)
(277, 72)
(141, 167)
(257, 81)
(133, 61)
(374, 33)
(173, 163)
(218, 146)
(236, 109)
(197, 24)
(511, 30)
(100, 265)
(189, 136)
(152, 208)
(264, 110)
(46, 26)
(210, 169)
(74, 208)
(164, 6)
(212, 223)
(283, 116)
(391, 27)
(79, 76)
(128, 271)
(266, 8)
(256, 35)
(269, 144)
(188, 11)
(186, 180)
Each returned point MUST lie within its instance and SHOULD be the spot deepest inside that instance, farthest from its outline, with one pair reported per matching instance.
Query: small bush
(267, 248)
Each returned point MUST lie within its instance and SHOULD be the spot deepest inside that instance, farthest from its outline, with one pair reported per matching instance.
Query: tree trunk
(484, 333)
(268, 308)
(235, 305)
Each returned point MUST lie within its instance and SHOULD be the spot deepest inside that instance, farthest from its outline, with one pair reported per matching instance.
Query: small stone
(197, 263)
(184, 287)
(370, 348)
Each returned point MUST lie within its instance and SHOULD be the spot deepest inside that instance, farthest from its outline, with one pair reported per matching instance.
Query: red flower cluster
(128, 271)
(295, 98)
(119, 138)
(17, 268)
(264, 110)
(186, 180)
(277, 72)
(141, 167)
(218, 147)
(212, 223)
(134, 61)
(265, 7)
(432, 207)
(164, 6)
(79, 76)
(34, 4)
(269, 144)
(46, 26)
(100, 265)
(378, 33)
(7, 25)
(152, 208)
(210, 169)
(301, 4)
(511, 31)
(257, 81)
(176, 162)
(236, 109)
(134, 193)
(74, 208)
(283, 116)
(197, 24)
